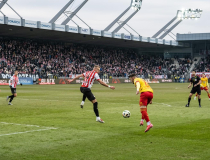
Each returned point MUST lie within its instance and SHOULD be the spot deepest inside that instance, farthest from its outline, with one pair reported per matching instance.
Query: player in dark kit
(195, 81)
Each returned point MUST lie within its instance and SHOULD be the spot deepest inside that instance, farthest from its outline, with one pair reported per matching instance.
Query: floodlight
(181, 15)
(136, 5)
(189, 14)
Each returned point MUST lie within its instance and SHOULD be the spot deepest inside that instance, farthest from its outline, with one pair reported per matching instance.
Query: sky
(98, 14)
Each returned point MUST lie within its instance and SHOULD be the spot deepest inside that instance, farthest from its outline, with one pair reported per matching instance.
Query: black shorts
(194, 90)
(87, 92)
(13, 90)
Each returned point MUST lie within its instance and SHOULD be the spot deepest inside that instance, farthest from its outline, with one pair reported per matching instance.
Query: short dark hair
(132, 75)
(193, 71)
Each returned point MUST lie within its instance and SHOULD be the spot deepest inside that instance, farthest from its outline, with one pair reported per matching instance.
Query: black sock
(84, 97)
(95, 108)
(199, 101)
(189, 99)
(11, 98)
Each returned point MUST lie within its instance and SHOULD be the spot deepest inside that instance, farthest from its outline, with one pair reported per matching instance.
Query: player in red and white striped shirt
(89, 78)
(14, 80)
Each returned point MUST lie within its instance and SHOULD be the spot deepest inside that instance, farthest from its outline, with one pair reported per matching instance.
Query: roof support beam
(55, 18)
(74, 13)
(124, 22)
(170, 29)
(3, 2)
(163, 29)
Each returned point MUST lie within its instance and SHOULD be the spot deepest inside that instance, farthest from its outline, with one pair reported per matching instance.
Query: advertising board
(14, 21)
(96, 32)
(1, 20)
(73, 29)
(31, 24)
(26, 81)
(144, 39)
(4, 82)
(59, 27)
(20, 75)
(85, 31)
(46, 81)
(200, 74)
(118, 35)
(44, 25)
(107, 34)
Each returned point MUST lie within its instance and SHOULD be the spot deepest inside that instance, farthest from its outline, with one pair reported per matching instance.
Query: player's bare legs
(142, 120)
(83, 101)
(144, 113)
(95, 108)
(11, 98)
(189, 99)
(199, 100)
(207, 91)
(195, 96)
(208, 94)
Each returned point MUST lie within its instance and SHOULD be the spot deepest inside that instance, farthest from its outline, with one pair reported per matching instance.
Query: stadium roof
(52, 35)
(193, 37)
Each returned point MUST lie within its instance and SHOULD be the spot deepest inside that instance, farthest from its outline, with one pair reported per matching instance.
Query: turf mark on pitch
(41, 128)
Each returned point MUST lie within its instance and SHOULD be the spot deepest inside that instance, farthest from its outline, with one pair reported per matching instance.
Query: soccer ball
(126, 114)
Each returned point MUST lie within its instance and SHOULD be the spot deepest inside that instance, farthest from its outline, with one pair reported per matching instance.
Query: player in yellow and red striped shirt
(204, 85)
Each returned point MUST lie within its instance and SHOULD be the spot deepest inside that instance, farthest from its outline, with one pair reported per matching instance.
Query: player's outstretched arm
(77, 77)
(106, 85)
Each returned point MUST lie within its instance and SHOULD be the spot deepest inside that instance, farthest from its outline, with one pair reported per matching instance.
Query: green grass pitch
(47, 123)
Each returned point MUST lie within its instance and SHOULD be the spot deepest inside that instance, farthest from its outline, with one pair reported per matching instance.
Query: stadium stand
(204, 65)
(180, 66)
(44, 58)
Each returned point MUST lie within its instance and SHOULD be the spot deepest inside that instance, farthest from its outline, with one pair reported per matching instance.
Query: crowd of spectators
(204, 65)
(181, 68)
(44, 58)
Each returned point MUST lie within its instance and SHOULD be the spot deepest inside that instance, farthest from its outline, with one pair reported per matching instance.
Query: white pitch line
(28, 125)
(27, 132)
(162, 104)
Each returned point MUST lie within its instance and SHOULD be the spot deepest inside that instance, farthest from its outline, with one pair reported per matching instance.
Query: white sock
(142, 120)
(82, 103)
(98, 118)
(148, 123)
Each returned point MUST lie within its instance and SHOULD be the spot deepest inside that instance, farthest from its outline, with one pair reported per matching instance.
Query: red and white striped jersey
(90, 78)
(14, 80)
